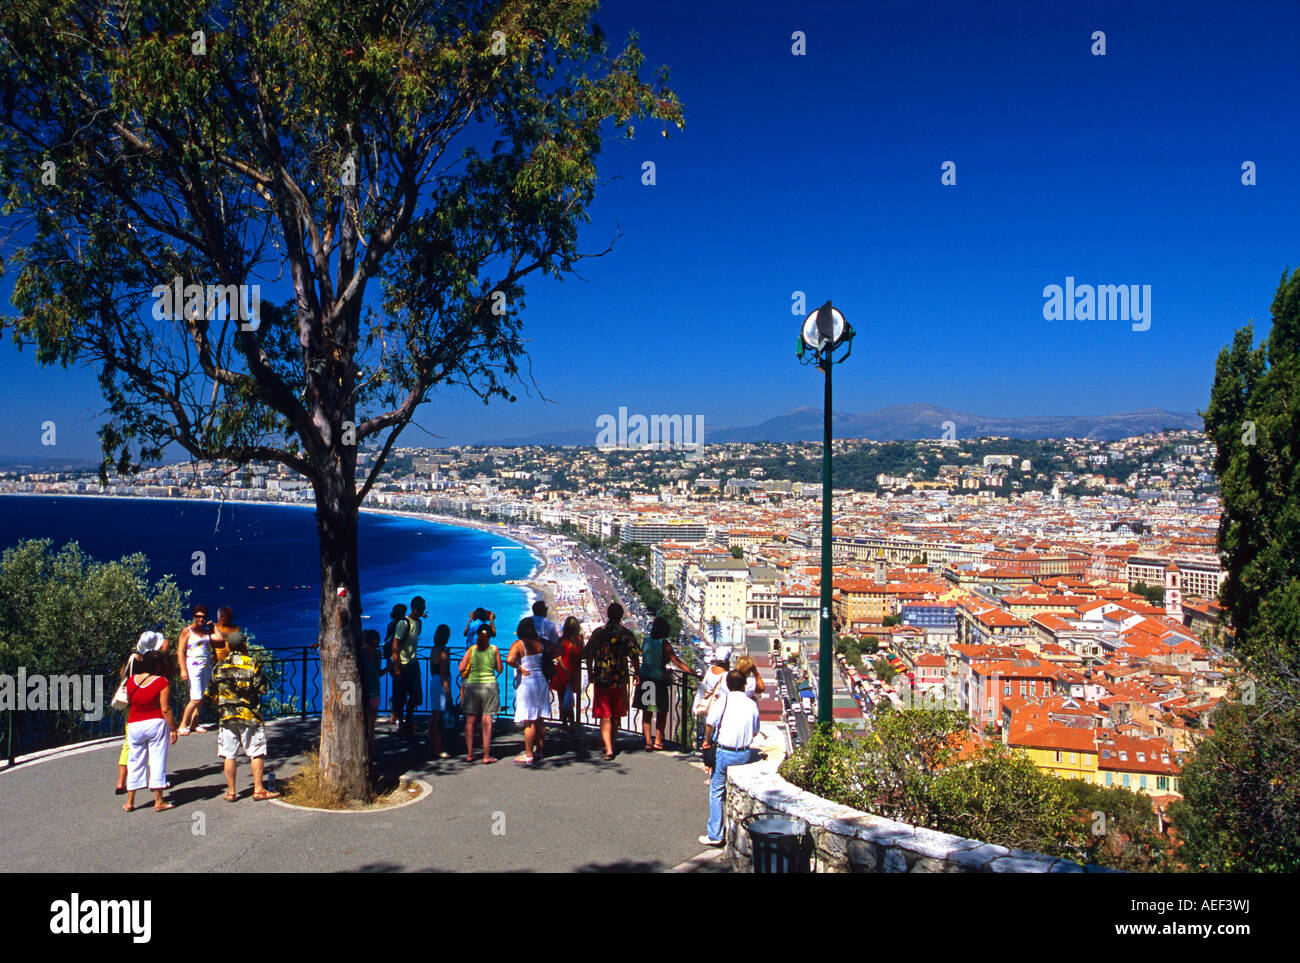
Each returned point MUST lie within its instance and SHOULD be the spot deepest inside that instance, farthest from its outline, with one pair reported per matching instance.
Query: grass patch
(307, 788)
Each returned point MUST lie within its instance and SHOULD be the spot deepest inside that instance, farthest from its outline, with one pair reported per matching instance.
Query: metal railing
(294, 689)
(293, 680)
(27, 730)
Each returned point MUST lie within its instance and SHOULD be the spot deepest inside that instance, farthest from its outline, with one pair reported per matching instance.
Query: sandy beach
(535, 583)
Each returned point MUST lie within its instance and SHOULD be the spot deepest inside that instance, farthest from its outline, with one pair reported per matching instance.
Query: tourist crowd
(548, 680)
(548, 677)
(214, 666)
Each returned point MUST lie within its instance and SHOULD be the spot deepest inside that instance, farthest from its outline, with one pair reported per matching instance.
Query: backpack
(390, 643)
(604, 658)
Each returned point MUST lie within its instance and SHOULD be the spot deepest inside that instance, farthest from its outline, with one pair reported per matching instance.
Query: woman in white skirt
(533, 697)
(195, 657)
(149, 729)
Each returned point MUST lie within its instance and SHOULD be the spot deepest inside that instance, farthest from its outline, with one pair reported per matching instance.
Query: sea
(262, 560)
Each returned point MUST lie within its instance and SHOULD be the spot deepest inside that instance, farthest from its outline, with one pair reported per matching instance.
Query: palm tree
(715, 629)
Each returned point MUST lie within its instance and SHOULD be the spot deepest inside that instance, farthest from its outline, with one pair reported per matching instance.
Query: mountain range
(899, 422)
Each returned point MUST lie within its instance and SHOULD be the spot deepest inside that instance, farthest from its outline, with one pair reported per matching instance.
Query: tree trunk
(344, 750)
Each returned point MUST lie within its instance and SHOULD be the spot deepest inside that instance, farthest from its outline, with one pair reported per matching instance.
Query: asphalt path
(574, 812)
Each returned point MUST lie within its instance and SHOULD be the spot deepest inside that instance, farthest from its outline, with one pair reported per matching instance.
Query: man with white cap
(148, 642)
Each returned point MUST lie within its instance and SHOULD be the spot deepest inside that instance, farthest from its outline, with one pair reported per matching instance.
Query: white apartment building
(715, 589)
(1199, 576)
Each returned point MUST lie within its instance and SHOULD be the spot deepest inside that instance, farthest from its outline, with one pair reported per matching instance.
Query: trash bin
(779, 844)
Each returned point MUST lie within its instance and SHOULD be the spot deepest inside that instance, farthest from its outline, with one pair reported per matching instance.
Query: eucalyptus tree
(390, 173)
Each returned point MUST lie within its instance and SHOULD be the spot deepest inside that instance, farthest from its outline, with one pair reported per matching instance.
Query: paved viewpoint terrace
(641, 812)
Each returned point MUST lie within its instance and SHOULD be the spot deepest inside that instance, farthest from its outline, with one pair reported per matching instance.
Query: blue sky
(821, 173)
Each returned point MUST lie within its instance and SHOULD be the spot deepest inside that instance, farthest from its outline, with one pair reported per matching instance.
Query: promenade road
(575, 812)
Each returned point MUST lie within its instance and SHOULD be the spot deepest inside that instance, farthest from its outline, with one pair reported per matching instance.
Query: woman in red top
(149, 729)
(568, 672)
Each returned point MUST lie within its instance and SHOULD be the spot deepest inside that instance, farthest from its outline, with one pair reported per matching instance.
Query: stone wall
(850, 841)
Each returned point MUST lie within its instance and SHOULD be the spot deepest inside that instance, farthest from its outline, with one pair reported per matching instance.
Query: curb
(425, 791)
(696, 863)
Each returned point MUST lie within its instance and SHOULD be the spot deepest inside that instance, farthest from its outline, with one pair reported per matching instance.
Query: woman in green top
(479, 696)
(650, 685)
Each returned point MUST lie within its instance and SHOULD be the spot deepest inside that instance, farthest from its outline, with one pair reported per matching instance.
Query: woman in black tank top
(439, 689)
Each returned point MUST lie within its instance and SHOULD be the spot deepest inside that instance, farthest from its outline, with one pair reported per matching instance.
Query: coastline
(534, 585)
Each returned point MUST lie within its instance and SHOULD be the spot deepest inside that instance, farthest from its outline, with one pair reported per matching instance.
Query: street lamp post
(824, 331)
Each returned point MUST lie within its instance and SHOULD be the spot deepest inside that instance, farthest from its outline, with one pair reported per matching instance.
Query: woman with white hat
(710, 687)
(148, 642)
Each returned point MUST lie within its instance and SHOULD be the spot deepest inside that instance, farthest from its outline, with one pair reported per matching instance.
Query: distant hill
(916, 421)
(927, 421)
(568, 436)
(41, 463)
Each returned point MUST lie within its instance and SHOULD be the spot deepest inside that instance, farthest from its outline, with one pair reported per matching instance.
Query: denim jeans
(718, 787)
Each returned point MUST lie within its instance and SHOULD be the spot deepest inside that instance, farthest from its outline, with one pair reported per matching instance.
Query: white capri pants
(148, 740)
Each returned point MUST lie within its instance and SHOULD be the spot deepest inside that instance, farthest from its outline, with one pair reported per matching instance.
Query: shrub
(923, 767)
(1115, 827)
(1240, 810)
(64, 613)
(828, 766)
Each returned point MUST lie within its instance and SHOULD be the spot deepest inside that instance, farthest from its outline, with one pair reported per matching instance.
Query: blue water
(262, 560)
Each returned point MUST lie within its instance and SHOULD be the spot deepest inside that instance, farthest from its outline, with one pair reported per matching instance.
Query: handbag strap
(726, 701)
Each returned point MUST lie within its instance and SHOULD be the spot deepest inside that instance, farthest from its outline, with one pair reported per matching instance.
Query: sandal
(231, 797)
(523, 761)
(164, 807)
(609, 756)
(487, 760)
(127, 809)
(265, 794)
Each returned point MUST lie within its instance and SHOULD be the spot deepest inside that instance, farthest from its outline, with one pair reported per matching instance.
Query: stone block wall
(850, 841)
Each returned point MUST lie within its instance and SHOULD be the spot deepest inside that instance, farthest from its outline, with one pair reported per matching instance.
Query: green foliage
(1155, 594)
(920, 767)
(884, 670)
(1124, 836)
(848, 647)
(827, 764)
(891, 620)
(1251, 419)
(1000, 796)
(471, 132)
(737, 552)
(1240, 810)
(63, 613)
(1241, 798)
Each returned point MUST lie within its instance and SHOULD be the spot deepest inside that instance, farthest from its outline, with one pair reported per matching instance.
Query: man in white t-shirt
(731, 724)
